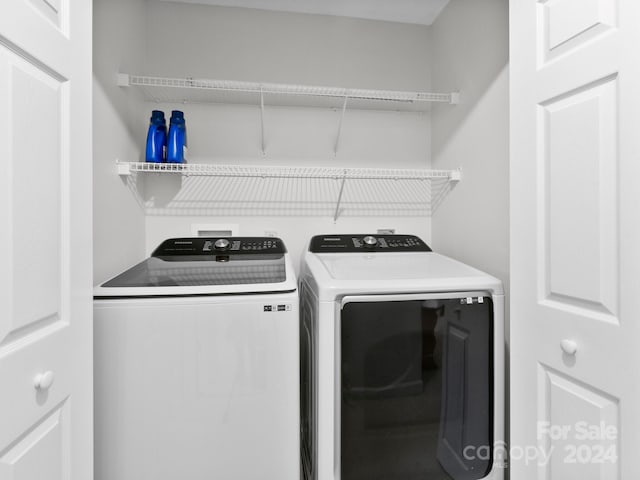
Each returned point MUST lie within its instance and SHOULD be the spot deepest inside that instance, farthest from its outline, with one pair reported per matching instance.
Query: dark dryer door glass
(417, 389)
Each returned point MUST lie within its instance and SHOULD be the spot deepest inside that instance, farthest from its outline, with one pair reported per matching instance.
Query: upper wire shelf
(193, 90)
(205, 169)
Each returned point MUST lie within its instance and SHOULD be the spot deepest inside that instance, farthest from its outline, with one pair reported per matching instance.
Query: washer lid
(191, 266)
(157, 272)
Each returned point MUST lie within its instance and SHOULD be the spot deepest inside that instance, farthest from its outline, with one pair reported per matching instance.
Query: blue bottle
(156, 138)
(177, 141)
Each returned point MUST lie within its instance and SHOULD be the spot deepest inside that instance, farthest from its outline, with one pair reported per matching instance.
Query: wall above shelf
(192, 90)
(373, 189)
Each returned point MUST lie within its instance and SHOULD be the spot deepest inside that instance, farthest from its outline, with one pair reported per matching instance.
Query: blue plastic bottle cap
(177, 115)
(157, 116)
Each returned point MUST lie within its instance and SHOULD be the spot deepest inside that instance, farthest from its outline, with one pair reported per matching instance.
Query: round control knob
(221, 244)
(369, 241)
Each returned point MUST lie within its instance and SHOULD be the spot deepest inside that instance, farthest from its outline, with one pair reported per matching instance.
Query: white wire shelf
(193, 90)
(298, 190)
(202, 169)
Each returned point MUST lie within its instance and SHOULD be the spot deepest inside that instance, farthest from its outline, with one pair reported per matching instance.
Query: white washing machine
(197, 364)
(402, 363)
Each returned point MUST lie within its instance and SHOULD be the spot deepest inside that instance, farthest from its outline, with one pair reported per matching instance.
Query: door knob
(569, 346)
(43, 381)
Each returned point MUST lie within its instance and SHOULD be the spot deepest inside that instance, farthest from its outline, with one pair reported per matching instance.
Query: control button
(221, 244)
(369, 241)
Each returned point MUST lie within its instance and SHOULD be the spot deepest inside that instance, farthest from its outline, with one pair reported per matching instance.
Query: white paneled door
(45, 240)
(575, 242)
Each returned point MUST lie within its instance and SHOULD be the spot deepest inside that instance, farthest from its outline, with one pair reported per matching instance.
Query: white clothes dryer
(197, 364)
(402, 363)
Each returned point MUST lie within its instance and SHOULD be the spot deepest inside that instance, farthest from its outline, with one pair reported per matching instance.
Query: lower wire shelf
(206, 169)
(369, 185)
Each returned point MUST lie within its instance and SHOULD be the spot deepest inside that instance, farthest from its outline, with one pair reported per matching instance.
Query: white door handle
(43, 381)
(569, 346)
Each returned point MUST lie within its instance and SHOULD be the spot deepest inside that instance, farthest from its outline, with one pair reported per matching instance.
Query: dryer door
(416, 387)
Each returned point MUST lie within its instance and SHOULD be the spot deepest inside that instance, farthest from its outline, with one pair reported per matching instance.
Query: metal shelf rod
(264, 152)
(335, 214)
(344, 109)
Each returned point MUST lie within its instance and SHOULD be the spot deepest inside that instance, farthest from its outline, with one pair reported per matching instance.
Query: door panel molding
(578, 242)
(566, 25)
(43, 447)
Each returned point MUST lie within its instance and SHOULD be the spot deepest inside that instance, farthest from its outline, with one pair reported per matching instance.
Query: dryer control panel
(367, 243)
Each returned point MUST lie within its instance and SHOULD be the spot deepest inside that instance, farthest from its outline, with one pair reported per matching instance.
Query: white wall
(465, 49)
(254, 45)
(119, 43)
(263, 46)
(471, 53)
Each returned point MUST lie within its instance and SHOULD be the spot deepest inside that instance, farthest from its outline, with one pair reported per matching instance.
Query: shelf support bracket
(123, 168)
(335, 214)
(123, 80)
(262, 120)
(344, 108)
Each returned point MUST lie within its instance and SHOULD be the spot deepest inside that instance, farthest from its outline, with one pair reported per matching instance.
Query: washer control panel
(367, 243)
(203, 246)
